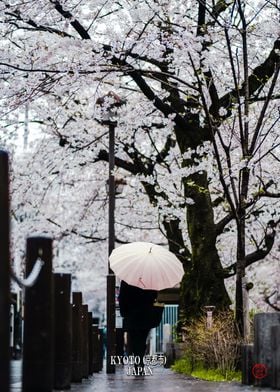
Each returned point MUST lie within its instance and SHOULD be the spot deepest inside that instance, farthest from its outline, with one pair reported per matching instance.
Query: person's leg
(138, 339)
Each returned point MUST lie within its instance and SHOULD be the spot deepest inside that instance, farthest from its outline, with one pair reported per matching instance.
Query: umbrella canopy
(146, 265)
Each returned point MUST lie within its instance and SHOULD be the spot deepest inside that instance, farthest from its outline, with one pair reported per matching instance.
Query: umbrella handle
(140, 280)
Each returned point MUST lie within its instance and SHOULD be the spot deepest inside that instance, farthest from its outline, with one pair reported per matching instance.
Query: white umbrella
(146, 265)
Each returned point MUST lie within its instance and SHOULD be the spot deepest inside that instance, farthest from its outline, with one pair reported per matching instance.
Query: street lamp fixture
(119, 186)
(109, 104)
(209, 315)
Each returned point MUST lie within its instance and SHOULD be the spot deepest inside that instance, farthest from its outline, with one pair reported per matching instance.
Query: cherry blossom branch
(208, 75)
(259, 253)
(263, 192)
(212, 132)
(176, 243)
(103, 155)
(263, 110)
(35, 26)
(267, 300)
(234, 74)
(73, 231)
(74, 22)
(258, 78)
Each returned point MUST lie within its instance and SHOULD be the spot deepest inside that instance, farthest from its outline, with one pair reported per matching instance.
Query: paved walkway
(163, 380)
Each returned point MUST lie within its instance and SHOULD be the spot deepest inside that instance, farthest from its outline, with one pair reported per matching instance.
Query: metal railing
(33, 276)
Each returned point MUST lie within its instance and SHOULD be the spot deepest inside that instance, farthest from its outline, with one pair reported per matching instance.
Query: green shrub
(183, 366)
(215, 348)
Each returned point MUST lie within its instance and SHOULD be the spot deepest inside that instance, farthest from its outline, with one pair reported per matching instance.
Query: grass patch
(184, 366)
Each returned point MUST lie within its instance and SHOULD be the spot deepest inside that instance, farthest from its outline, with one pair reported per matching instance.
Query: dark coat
(134, 304)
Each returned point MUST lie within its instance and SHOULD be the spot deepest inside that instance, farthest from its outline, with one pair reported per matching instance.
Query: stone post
(262, 369)
(275, 347)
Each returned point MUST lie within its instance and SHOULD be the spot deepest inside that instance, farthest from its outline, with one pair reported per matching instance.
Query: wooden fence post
(38, 340)
(4, 272)
(247, 351)
(77, 337)
(101, 348)
(85, 340)
(96, 348)
(63, 331)
(90, 344)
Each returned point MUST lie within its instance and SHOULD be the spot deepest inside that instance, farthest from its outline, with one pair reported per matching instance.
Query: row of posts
(62, 342)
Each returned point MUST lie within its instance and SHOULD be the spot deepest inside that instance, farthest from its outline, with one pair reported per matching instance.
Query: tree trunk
(203, 284)
(241, 250)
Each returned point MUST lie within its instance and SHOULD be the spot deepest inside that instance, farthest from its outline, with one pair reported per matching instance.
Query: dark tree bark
(203, 283)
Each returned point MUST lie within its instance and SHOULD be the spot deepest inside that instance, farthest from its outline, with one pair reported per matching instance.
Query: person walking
(136, 308)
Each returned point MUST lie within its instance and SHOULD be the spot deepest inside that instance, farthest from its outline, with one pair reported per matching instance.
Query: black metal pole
(111, 280)
(38, 342)
(112, 126)
(63, 331)
(4, 271)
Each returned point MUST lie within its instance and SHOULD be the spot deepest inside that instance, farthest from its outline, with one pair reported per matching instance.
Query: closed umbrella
(146, 265)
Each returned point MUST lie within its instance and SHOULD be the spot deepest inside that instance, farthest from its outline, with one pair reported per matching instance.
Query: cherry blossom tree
(198, 132)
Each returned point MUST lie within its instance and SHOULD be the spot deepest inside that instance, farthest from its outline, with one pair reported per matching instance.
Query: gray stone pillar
(262, 347)
(275, 347)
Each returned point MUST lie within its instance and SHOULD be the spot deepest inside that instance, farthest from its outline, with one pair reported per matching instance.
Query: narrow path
(163, 380)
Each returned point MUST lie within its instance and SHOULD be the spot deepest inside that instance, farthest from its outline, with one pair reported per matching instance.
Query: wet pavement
(164, 380)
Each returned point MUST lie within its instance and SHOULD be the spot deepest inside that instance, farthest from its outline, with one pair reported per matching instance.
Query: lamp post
(109, 118)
